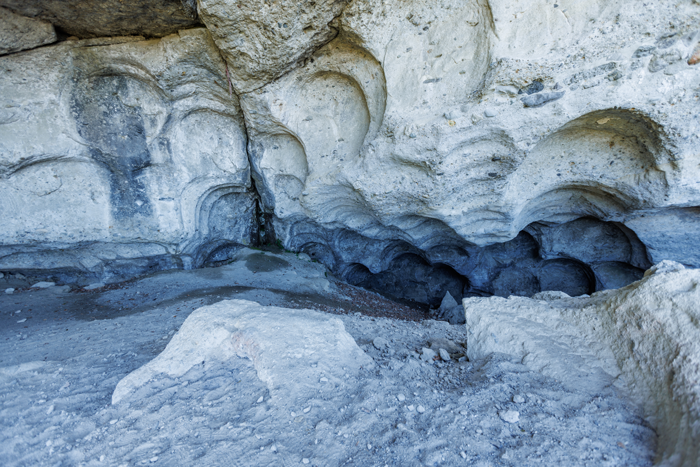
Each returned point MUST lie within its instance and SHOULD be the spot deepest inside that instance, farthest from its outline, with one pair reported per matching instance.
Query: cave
(356, 232)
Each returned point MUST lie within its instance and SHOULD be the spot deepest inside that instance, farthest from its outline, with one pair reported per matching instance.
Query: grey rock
(9, 290)
(96, 285)
(490, 113)
(43, 285)
(444, 355)
(20, 33)
(380, 343)
(427, 355)
(538, 100)
(95, 18)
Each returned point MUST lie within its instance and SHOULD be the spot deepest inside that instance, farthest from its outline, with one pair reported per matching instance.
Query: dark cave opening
(579, 257)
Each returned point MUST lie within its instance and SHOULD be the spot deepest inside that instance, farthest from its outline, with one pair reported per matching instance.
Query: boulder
(643, 338)
(290, 349)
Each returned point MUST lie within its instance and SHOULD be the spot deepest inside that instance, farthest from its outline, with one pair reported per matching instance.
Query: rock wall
(120, 157)
(479, 147)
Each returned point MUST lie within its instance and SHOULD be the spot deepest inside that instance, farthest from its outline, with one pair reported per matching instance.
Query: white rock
(260, 399)
(22, 320)
(9, 290)
(305, 460)
(581, 342)
(410, 408)
(401, 397)
(96, 285)
(43, 285)
(273, 338)
(510, 416)
(420, 409)
(287, 32)
(518, 399)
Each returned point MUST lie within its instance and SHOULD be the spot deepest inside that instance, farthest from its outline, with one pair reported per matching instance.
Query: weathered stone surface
(380, 138)
(19, 33)
(290, 349)
(262, 40)
(94, 18)
(644, 338)
(120, 158)
(387, 139)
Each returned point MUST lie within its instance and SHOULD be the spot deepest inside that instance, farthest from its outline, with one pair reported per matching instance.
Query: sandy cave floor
(62, 354)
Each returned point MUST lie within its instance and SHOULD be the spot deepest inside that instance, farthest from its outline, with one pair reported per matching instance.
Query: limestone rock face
(293, 351)
(261, 40)
(418, 130)
(644, 338)
(19, 33)
(120, 157)
(94, 18)
(416, 148)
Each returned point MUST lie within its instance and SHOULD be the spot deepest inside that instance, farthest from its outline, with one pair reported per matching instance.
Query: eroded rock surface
(274, 339)
(94, 18)
(121, 156)
(19, 33)
(415, 148)
(643, 337)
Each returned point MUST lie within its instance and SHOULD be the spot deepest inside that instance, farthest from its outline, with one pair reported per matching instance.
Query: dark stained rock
(96, 18)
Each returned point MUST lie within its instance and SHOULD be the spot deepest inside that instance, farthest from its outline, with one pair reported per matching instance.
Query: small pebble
(260, 399)
(463, 454)
(305, 460)
(22, 320)
(410, 408)
(490, 113)
(154, 458)
(43, 285)
(273, 448)
(369, 446)
(9, 290)
(306, 410)
(112, 422)
(324, 380)
(510, 416)
(518, 399)
(420, 409)
(401, 397)
(380, 343)
(444, 355)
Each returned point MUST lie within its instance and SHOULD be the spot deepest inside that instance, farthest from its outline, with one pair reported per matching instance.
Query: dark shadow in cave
(577, 257)
(409, 277)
